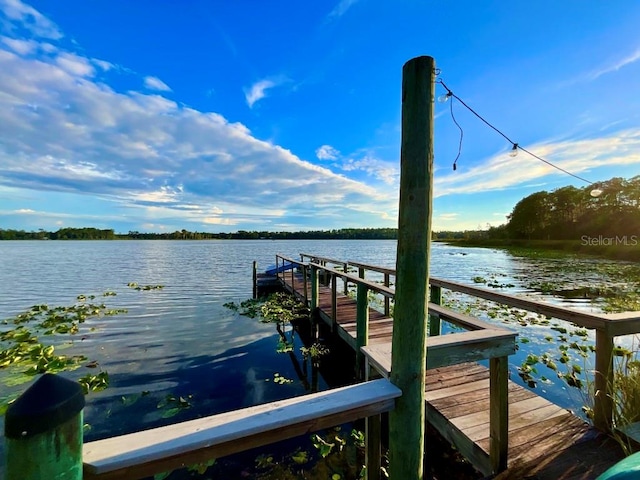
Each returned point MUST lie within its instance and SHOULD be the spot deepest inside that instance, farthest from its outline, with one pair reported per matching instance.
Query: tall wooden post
(43, 430)
(409, 347)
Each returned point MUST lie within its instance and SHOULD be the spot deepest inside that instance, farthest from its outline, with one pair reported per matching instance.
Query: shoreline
(615, 248)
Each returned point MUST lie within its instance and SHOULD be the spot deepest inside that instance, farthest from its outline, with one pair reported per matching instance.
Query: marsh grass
(626, 397)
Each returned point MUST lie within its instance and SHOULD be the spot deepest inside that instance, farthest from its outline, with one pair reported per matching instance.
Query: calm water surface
(181, 340)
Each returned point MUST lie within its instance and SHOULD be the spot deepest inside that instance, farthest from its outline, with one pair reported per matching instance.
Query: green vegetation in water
(315, 352)
(335, 455)
(24, 354)
(30, 342)
(278, 307)
(172, 405)
(135, 286)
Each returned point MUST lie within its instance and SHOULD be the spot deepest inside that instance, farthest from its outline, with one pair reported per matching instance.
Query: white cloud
(75, 65)
(448, 216)
(341, 8)
(616, 64)
(327, 152)
(29, 18)
(257, 91)
(387, 172)
(22, 47)
(576, 156)
(154, 83)
(65, 131)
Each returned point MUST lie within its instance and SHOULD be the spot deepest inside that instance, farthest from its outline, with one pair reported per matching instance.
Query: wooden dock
(545, 441)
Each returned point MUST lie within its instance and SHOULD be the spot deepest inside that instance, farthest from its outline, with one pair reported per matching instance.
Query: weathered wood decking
(545, 441)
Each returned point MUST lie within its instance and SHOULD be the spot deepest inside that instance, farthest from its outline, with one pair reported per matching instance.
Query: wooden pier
(502, 428)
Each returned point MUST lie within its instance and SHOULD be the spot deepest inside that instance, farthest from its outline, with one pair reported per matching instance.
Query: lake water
(180, 340)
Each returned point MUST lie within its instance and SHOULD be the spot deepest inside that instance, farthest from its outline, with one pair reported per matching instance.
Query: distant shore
(614, 248)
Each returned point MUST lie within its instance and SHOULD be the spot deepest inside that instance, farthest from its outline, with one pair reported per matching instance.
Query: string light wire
(461, 135)
(516, 146)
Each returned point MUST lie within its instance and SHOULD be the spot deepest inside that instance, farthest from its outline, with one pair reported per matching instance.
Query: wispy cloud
(341, 8)
(154, 83)
(386, 172)
(578, 156)
(29, 18)
(616, 64)
(258, 90)
(327, 152)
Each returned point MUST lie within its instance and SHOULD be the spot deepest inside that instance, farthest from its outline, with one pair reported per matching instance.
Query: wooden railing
(59, 453)
(481, 340)
(606, 326)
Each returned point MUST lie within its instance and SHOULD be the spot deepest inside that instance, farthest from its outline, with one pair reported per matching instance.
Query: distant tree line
(569, 213)
(96, 234)
(86, 233)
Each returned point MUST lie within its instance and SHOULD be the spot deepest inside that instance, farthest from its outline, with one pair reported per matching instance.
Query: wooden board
(173, 446)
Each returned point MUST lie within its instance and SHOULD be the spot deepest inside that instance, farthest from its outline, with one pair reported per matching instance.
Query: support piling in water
(409, 343)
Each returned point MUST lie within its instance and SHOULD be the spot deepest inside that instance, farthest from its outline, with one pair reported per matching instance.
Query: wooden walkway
(545, 441)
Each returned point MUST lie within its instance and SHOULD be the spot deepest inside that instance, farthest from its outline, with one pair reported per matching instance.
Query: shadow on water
(210, 384)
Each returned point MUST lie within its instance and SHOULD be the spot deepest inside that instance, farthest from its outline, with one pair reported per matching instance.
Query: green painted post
(345, 269)
(409, 343)
(43, 431)
(387, 306)
(314, 289)
(255, 279)
(314, 301)
(435, 296)
(362, 327)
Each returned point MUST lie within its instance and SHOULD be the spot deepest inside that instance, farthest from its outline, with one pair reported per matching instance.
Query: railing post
(293, 281)
(314, 301)
(255, 279)
(435, 296)
(304, 279)
(345, 268)
(362, 327)
(498, 413)
(373, 453)
(334, 302)
(314, 289)
(387, 307)
(43, 431)
(603, 404)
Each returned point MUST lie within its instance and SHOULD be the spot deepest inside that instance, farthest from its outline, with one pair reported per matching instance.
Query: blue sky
(246, 115)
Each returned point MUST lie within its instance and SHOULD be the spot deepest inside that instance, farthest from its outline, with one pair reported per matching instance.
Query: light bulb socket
(514, 150)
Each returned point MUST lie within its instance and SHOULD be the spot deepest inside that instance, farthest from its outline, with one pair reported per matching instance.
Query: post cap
(48, 402)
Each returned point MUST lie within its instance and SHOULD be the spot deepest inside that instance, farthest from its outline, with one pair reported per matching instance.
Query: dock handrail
(606, 326)
(165, 448)
(482, 340)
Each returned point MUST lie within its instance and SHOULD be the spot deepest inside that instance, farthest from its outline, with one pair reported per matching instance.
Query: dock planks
(545, 440)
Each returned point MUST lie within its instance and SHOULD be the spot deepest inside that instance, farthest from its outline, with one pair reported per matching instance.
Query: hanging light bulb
(514, 150)
(595, 193)
(444, 98)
